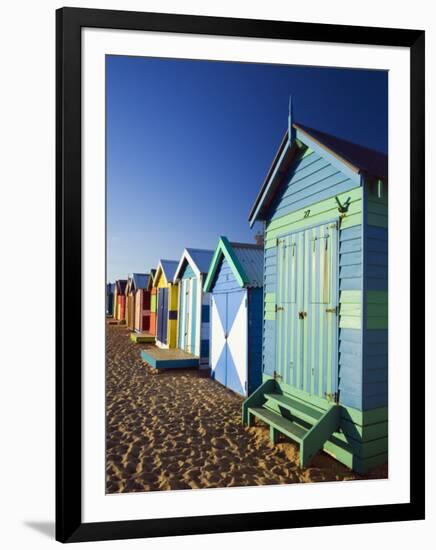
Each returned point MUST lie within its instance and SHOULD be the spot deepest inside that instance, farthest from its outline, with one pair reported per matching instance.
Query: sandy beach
(181, 430)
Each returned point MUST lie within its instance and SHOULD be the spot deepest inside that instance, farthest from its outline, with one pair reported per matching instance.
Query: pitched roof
(140, 280)
(362, 158)
(168, 268)
(245, 260)
(197, 258)
(251, 258)
(151, 278)
(359, 159)
(121, 285)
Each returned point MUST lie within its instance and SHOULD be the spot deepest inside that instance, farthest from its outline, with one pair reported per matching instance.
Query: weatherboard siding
(311, 179)
(225, 281)
(199, 315)
(236, 321)
(318, 213)
(255, 298)
(173, 315)
(375, 345)
(361, 383)
(362, 440)
(188, 272)
(194, 300)
(349, 283)
(376, 258)
(173, 303)
(306, 198)
(205, 325)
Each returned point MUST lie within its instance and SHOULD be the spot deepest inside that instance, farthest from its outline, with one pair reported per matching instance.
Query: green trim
(377, 297)
(257, 398)
(376, 323)
(307, 152)
(225, 249)
(358, 448)
(319, 434)
(319, 212)
(332, 428)
(377, 220)
(362, 418)
(350, 309)
(270, 298)
(350, 322)
(377, 206)
(302, 396)
(359, 465)
(316, 208)
(362, 433)
(377, 309)
(350, 297)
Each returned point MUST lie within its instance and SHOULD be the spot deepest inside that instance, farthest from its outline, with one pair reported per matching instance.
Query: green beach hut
(324, 206)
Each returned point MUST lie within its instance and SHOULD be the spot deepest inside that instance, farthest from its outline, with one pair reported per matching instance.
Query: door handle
(302, 314)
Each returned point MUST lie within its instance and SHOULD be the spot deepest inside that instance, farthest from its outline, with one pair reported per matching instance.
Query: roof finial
(291, 129)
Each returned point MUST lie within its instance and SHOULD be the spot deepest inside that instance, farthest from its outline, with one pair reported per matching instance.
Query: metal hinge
(332, 397)
(278, 308)
(332, 310)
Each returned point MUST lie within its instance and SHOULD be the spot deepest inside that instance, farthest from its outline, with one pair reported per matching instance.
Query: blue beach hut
(193, 326)
(110, 287)
(324, 205)
(235, 281)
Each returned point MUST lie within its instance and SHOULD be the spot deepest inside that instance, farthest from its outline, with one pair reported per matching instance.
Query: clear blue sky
(189, 144)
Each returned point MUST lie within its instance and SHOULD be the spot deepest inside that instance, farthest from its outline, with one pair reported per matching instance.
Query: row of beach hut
(204, 310)
(298, 325)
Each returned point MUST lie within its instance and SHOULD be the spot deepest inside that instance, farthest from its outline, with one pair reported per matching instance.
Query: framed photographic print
(240, 257)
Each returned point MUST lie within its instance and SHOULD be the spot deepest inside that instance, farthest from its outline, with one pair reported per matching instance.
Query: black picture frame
(69, 22)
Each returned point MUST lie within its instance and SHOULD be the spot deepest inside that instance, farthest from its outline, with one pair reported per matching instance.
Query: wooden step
(277, 422)
(302, 411)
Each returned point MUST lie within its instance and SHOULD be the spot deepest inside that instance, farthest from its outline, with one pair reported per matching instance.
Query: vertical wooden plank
(312, 307)
(286, 312)
(299, 307)
(193, 316)
(306, 273)
(280, 304)
(291, 315)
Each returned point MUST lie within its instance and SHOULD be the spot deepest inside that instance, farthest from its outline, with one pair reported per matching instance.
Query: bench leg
(250, 419)
(273, 435)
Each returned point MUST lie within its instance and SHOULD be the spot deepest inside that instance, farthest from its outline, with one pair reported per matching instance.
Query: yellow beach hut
(167, 304)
